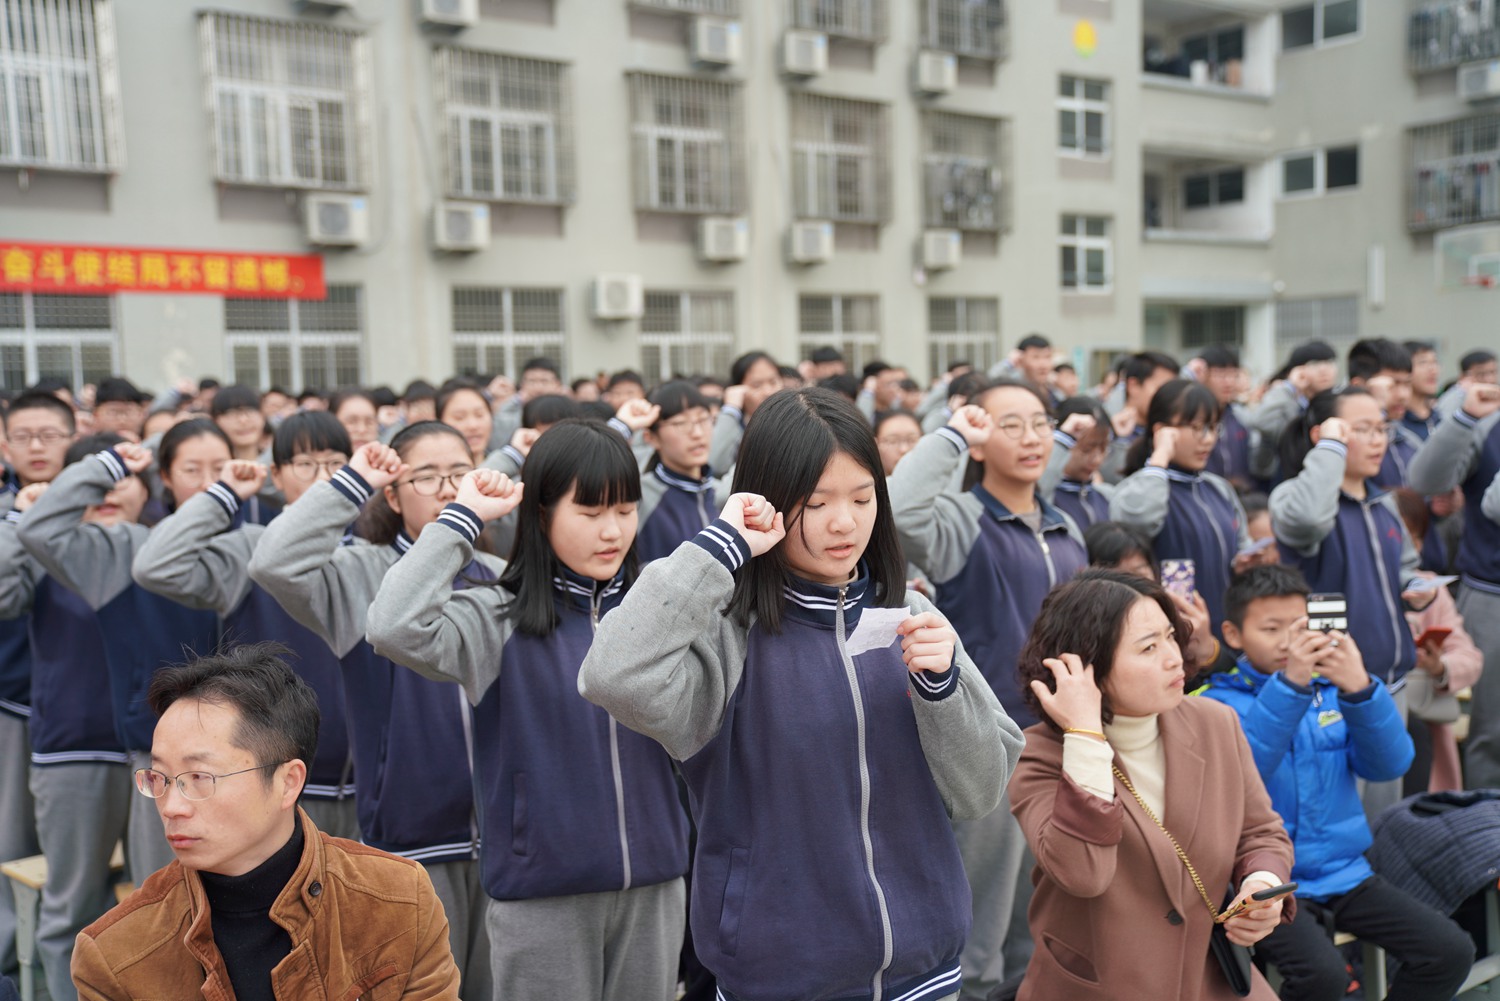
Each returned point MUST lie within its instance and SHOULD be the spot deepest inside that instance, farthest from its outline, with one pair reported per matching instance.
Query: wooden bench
(27, 877)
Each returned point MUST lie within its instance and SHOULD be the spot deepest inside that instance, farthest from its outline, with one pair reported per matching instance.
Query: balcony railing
(1444, 33)
(1455, 173)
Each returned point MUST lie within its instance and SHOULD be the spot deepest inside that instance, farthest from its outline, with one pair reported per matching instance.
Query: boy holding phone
(1315, 721)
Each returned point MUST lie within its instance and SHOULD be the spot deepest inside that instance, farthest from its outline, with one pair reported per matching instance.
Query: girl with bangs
(584, 843)
(818, 710)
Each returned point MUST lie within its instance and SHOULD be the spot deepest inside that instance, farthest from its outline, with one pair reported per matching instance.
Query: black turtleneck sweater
(240, 911)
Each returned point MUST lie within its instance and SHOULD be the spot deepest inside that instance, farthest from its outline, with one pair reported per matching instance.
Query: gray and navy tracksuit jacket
(822, 783)
(572, 801)
(1086, 503)
(1358, 548)
(411, 736)
(674, 508)
(1465, 452)
(198, 558)
(991, 570)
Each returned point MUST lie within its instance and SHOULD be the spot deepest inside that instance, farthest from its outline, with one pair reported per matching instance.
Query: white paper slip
(876, 629)
(1259, 545)
(1430, 583)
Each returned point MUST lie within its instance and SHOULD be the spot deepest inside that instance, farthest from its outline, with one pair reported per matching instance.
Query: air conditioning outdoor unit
(337, 220)
(618, 297)
(716, 42)
(461, 226)
(322, 6)
(723, 239)
(804, 53)
(1479, 81)
(450, 13)
(942, 249)
(810, 242)
(936, 72)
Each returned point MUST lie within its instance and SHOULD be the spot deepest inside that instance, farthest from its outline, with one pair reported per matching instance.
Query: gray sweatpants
(336, 818)
(464, 901)
(146, 849)
(590, 946)
(81, 811)
(998, 865)
(1481, 612)
(17, 824)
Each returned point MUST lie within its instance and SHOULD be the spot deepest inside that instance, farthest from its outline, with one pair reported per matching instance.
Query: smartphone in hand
(1258, 897)
(1179, 577)
(1327, 612)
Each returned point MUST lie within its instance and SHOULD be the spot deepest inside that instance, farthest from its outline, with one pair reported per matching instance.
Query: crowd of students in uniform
(752, 658)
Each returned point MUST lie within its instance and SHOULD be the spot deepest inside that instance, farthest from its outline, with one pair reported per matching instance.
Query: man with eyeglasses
(259, 904)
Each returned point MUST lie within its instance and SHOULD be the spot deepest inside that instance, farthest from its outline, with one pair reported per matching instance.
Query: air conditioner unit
(322, 6)
(936, 72)
(942, 249)
(618, 297)
(450, 13)
(1479, 81)
(804, 53)
(716, 42)
(810, 242)
(723, 239)
(337, 220)
(461, 226)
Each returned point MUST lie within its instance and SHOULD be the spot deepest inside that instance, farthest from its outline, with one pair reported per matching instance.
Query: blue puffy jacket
(1309, 746)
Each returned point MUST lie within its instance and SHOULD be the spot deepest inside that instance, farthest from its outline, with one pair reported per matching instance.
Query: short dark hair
(118, 389)
(582, 380)
(548, 410)
(32, 400)
(236, 397)
(310, 394)
(418, 389)
(1110, 543)
(1373, 355)
(450, 390)
(624, 376)
(1253, 502)
(845, 385)
(590, 410)
(93, 444)
(968, 385)
(1415, 348)
(1141, 365)
(309, 431)
(875, 368)
(1273, 580)
(739, 370)
(1474, 359)
(384, 396)
(180, 434)
(208, 382)
(278, 711)
(50, 384)
(340, 397)
(1219, 356)
(1086, 617)
(540, 364)
(1031, 341)
(824, 355)
(1064, 366)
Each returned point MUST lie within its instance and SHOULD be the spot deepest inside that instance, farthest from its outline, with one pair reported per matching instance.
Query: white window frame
(29, 338)
(1081, 107)
(514, 347)
(714, 183)
(538, 167)
(819, 161)
(1320, 172)
(1319, 42)
(1082, 243)
(296, 340)
(860, 20)
(981, 348)
(535, 139)
(692, 188)
(859, 347)
(973, 43)
(705, 343)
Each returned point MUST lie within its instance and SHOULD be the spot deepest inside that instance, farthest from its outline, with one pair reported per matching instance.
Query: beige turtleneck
(1137, 741)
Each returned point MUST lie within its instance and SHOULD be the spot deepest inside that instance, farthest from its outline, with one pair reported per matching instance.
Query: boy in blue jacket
(1316, 721)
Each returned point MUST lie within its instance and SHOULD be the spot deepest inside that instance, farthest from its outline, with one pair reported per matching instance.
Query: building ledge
(1165, 81)
(1204, 237)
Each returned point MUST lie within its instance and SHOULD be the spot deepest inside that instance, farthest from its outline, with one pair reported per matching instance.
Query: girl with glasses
(993, 550)
(679, 495)
(818, 709)
(585, 844)
(410, 735)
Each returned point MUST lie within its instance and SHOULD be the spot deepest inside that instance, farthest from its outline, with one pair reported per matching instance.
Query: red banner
(50, 267)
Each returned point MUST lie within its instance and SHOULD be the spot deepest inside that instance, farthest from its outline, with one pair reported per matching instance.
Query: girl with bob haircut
(584, 841)
(1119, 755)
(753, 378)
(763, 655)
(679, 495)
(462, 406)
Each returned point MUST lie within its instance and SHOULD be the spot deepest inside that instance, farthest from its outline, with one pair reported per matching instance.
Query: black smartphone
(1326, 612)
(1259, 897)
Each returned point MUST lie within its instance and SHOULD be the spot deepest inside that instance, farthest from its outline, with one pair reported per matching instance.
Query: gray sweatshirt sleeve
(418, 620)
(1449, 454)
(91, 560)
(1113, 468)
(1276, 409)
(724, 446)
(971, 745)
(1142, 499)
(1305, 508)
(18, 571)
(507, 418)
(1062, 451)
(508, 459)
(192, 558)
(936, 532)
(1489, 505)
(936, 397)
(666, 660)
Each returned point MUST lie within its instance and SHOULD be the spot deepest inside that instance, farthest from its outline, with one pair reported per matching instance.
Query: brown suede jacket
(363, 924)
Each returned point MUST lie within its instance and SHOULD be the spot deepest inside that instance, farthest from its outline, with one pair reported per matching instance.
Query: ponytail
(1296, 440)
(1175, 403)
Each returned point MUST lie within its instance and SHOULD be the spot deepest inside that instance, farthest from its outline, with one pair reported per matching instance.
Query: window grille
(297, 343)
(1087, 254)
(973, 28)
(717, 8)
(687, 333)
(289, 101)
(1455, 173)
(1083, 116)
(962, 172)
(688, 143)
(499, 329)
(509, 127)
(1444, 33)
(59, 86)
(850, 323)
(68, 337)
(840, 159)
(862, 20)
(1221, 325)
(962, 329)
(1334, 320)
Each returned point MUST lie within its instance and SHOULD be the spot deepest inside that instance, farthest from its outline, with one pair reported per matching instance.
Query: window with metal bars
(962, 328)
(972, 28)
(1206, 326)
(1087, 254)
(961, 167)
(685, 334)
(290, 102)
(1454, 173)
(68, 337)
(1334, 320)
(1444, 33)
(295, 343)
(850, 323)
(840, 159)
(718, 8)
(498, 329)
(688, 144)
(862, 20)
(509, 127)
(1083, 116)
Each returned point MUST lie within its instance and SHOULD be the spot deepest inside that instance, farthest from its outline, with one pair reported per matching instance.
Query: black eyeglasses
(431, 484)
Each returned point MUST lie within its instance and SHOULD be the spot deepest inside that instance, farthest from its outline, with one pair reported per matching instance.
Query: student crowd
(719, 690)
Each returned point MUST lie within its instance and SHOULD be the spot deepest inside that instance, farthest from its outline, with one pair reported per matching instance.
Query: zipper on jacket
(1212, 523)
(702, 510)
(614, 762)
(1041, 540)
(864, 799)
(1398, 622)
(466, 719)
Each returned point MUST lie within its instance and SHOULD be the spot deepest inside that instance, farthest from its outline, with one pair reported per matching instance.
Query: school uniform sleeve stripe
(462, 520)
(936, 687)
(724, 543)
(953, 438)
(1064, 439)
(1155, 471)
(113, 463)
(621, 427)
(353, 486)
(513, 454)
(1465, 419)
(226, 497)
(734, 412)
(1331, 445)
(13, 516)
